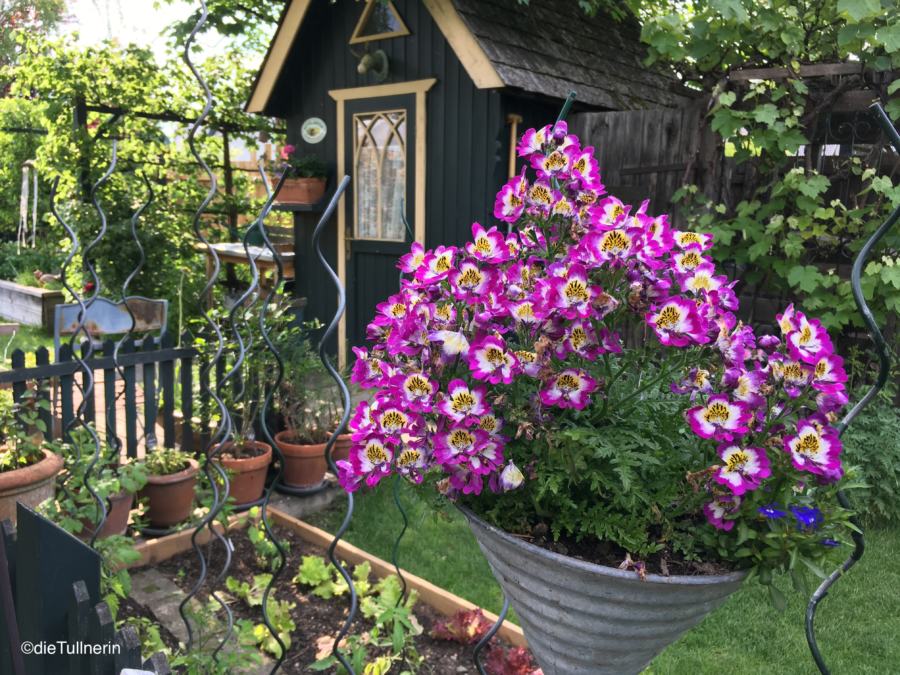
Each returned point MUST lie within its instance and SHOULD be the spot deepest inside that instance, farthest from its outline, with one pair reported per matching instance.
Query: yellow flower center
(617, 211)
(581, 165)
(821, 368)
(483, 245)
(700, 281)
(717, 412)
(418, 386)
(393, 419)
(470, 278)
(375, 453)
(567, 382)
(805, 335)
(578, 337)
(408, 456)
(614, 241)
(737, 460)
(398, 310)
(576, 291)
(668, 317)
(461, 439)
(526, 356)
(540, 194)
(462, 402)
(555, 161)
(689, 238)
(488, 423)
(442, 264)
(495, 356)
(793, 371)
(808, 446)
(690, 260)
(443, 312)
(525, 311)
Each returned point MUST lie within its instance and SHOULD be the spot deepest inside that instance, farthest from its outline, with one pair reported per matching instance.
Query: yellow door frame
(340, 96)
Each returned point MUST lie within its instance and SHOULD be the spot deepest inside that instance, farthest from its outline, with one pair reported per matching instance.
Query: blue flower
(771, 511)
(809, 518)
(830, 543)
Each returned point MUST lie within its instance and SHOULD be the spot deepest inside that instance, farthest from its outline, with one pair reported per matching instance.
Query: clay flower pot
(171, 497)
(585, 619)
(341, 448)
(301, 191)
(304, 465)
(248, 474)
(30, 485)
(118, 509)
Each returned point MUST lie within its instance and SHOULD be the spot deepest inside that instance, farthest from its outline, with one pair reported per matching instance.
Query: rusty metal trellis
(883, 372)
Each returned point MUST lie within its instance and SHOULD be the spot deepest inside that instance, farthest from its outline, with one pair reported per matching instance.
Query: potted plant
(116, 483)
(28, 463)
(309, 412)
(171, 480)
(620, 491)
(305, 183)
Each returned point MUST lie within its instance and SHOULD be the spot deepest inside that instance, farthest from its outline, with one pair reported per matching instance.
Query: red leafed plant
(512, 661)
(466, 627)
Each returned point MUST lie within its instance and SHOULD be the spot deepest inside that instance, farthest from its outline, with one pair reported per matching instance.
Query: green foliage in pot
(22, 431)
(74, 505)
(307, 398)
(166, 461)
(303, 166)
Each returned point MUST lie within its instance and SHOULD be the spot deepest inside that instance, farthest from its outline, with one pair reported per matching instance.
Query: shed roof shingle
(551, 47)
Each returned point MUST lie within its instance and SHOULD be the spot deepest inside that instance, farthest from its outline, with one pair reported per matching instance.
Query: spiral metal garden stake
(87, 388)
(883, 372)
(476, 654)
(215, 474)
(264, 408)
(345, 397)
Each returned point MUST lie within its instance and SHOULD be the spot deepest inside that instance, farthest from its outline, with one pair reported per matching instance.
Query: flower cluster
(523, 326)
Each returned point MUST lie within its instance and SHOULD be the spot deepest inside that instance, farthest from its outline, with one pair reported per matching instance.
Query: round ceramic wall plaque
(313, 130)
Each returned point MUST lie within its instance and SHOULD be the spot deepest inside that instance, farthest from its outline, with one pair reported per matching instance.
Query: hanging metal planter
(581, 618)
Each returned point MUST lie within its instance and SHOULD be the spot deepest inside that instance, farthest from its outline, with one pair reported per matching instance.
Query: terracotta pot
(341, 448)
(171, 497)
(248, 474)
(30, 485)
(301, 191)
(304, 465)
(118, 509)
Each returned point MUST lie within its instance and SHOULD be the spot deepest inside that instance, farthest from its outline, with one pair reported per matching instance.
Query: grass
(27, 338)
(857, 625)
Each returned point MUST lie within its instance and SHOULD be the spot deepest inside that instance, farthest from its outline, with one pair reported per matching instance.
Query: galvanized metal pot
(586, 619)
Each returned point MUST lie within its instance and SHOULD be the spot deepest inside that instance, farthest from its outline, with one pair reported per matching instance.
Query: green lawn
(858, 624)
(27, 338)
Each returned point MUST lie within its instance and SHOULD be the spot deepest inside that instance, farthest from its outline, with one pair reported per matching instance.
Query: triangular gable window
(380, 20)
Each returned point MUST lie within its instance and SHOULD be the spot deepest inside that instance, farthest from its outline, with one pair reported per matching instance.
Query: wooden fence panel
(109, 395)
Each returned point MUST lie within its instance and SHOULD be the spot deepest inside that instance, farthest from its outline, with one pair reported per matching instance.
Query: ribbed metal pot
(586, 619)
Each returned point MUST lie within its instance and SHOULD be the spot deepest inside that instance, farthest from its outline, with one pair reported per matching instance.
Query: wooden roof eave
(464, 44)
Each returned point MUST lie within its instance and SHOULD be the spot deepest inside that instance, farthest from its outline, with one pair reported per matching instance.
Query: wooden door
(379, 144)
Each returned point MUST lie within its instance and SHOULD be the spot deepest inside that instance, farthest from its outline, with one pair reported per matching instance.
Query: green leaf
(778, 599)
(859, 9)
(889, 36)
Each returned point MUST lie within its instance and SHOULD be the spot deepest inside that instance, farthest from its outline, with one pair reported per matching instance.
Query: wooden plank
(155, 551)
(131, 412)
(812, 70)
(149, 381)
(9, 328)
(128, 654)
(167, 386)
(42, 358)
(158, 664)
(444, 602)
(78, 620)
(187, 399)
(88, 409)
(18, 362)
(66, 385)
(205, 402)
(102, 633)
(109, 396)
(11, 660)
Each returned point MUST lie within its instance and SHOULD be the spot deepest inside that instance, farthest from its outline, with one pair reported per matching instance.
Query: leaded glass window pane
(379, 174)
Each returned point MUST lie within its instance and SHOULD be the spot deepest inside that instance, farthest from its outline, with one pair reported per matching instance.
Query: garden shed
(418, 101)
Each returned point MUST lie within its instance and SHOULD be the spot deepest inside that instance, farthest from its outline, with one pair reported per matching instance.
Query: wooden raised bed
(446, 603)
(28, 305)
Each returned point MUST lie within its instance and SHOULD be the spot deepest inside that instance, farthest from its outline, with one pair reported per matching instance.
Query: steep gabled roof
(548, 47)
